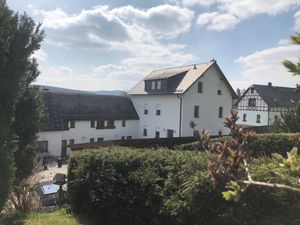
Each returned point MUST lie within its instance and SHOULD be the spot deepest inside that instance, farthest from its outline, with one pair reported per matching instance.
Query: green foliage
(19, 38)
(234, 193)
(293, 68)
(119, 185)
(29, 116)
(260, 145)
(292, 162)
(289, 122)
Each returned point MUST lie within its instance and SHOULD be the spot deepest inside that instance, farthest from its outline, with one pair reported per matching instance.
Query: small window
(252, 90)
(153, 85)
(251, 102)
(123, 123)
(158, 84)
(99, 140)
(72, 124)
(146, 109)
(257, 118)
(158, 110)
(92, 140)
(245, 117)
(71, 142)
(156, 134)
(123, 137)
(111, 124)
(200, 87)
(129, 137)
(196, 111)
(92, 123)
(220, 112)
(219, 92)
(100, 124)
(275, 117)
(145, 132)
(196, 134)
(220, 133)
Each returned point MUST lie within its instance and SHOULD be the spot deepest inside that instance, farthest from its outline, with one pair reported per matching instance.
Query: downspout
(180, 113)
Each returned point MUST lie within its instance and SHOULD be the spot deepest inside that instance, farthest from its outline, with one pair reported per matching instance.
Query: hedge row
(261, 144)
(121, 186)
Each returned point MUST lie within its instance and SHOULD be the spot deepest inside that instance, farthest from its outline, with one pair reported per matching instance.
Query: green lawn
(59, 217)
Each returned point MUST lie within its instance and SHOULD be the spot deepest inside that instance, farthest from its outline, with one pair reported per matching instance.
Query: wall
(169, 118)
(83, 132)
(209, 102)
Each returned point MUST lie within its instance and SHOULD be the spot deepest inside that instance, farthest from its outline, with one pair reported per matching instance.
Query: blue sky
(107, 45)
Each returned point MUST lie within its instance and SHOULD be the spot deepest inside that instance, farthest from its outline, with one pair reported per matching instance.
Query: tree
(29, 116)
(238, 92)
(19, 38)
(289, 122)
(294, 68)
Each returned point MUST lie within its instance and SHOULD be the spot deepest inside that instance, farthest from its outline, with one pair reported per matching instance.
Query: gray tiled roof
(73, 106)
(190, 75)
(278, 96)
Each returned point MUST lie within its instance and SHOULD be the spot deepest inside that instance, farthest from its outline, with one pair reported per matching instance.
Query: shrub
(261, 144)
(118, 185)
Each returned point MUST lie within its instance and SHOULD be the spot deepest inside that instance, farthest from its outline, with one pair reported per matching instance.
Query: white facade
(209, 102)
(177, 118)
(83, 132)
(257, 113)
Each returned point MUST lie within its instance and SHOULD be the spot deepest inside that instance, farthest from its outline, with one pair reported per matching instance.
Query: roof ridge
(183, 66)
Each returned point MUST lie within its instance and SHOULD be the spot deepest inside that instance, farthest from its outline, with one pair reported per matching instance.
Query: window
(100, 124)
(146, 109)
(220, 112)
(257, 118)
(153, 85)
(219, 92)
(158, 109)
(72, 124)
(129, 137)
(220, 133)
(196, 111)
(123, 123)
(252, 90)
(42, 146)
(196, 133)
(92, 123)
(91, 140)
(123, 137)
(275, 117)
(251, 102)
(200, 87)
(158, 84)
(111, 124)
(244, 117)
(99, 140)
(66, 125)
(156, 134)
(145, 132)
(71, 142)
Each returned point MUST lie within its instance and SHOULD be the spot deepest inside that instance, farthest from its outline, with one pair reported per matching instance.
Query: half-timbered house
(261, 105)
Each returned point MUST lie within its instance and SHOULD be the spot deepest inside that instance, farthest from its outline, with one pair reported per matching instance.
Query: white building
(85, 118)
(168, 100)
(261, 105)
(163, 105)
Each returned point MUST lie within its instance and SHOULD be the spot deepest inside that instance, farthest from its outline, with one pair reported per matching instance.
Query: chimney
(195, 67)
(270, 84)
(298, 87)
(212, 60)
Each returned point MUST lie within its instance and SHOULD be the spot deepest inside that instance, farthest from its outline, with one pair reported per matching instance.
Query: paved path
(46, 175)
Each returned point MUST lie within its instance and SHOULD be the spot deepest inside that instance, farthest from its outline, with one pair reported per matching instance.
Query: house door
(170, 133)
(63, 148)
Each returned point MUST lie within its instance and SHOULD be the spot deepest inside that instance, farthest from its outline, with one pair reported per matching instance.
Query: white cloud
(297, 21)
(216, 21)
(197, 2)
(266, 65)
(235, 11)
(40, 55)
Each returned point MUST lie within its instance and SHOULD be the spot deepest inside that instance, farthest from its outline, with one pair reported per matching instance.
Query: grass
(59, 217)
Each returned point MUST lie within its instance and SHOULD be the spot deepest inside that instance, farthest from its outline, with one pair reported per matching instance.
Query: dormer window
(153, 85)
(158, 84)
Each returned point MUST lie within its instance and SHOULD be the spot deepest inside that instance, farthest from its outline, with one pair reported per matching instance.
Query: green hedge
(121, 186)
(261, 144)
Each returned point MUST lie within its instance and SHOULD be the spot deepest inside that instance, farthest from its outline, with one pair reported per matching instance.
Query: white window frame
(158, 84)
